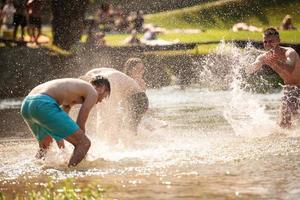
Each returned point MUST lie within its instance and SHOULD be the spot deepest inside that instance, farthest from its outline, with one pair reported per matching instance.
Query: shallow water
(220, 143)
(212, 148)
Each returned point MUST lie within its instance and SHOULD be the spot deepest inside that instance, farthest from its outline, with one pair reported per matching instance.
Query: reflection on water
(219, 144)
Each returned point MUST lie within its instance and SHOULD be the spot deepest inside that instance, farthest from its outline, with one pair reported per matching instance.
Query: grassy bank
(215, 18)
(291, 37)
(222, 14)
(210, 35)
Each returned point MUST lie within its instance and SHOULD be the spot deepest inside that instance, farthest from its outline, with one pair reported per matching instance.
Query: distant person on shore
(34, 19)
(139, 21)
(287, 23)
(46, 108)
(20, 19)
(241, 26)
(96, 39)
(8, 14)
(133, 39)
(120, 21)
(286, 62)
(1, 18)
(150, 34)
(135, 68)
(125, 92)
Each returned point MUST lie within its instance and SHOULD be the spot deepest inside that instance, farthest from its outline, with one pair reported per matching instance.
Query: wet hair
(100, 81)
(271, 32)
(130, 64)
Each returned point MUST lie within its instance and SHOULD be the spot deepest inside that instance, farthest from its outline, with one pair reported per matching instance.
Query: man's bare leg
(286, 118)
(81, 146)
(60, 144)
(38, 35)
(44, 146)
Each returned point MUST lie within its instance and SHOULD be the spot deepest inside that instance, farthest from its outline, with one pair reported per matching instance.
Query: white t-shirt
(8, 14)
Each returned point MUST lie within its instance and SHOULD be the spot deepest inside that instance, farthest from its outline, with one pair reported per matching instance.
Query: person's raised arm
(291, 59)
(254, 67)
(89, 101)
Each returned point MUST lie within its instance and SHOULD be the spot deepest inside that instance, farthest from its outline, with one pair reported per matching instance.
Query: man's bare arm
(254, 67)
(89, 101)
(291, 60)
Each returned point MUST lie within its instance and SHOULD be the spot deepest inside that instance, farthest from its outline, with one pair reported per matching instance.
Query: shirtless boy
(135, 68)
(45, 112)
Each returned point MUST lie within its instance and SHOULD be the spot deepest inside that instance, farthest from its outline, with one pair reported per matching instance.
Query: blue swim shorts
(45, 117)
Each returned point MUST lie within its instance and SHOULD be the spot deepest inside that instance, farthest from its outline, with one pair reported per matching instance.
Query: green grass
(217, 35)
(207, 36)
(199, 49)
(292, 37)
(210, 35)
(67, 189)
(116, 39)
(222, 14)
(215, 18)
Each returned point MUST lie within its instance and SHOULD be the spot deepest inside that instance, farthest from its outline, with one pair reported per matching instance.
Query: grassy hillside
(222, 14)
(150, 6)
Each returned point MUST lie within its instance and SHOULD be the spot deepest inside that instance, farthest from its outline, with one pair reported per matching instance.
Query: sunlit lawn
(212, 35)
(292, 37)
(222, 14)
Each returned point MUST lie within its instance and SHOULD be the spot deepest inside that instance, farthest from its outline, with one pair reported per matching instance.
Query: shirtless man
(45, 112)
(34, 10)
(132, 97)
(286, 62)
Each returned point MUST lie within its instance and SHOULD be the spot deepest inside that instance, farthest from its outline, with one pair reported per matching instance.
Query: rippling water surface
(212, 148)
(219, 143)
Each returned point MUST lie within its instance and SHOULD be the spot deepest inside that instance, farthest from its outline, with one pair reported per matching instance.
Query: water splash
(225, 69)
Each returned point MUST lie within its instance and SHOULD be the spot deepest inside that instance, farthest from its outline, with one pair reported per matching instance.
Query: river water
(218, 144)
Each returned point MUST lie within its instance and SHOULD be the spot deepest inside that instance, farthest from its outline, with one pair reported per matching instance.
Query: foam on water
(10, 104)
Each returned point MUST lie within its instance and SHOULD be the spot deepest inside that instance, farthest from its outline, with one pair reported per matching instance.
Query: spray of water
(225, 69)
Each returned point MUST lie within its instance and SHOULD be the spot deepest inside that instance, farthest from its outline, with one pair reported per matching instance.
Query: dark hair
(100, 81)
(271, 32)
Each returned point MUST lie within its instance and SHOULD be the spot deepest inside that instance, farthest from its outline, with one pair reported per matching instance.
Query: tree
(68, 21)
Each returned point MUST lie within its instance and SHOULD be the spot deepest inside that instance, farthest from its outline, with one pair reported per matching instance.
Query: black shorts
(138, 105)
(35, 21)
(20, 20)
